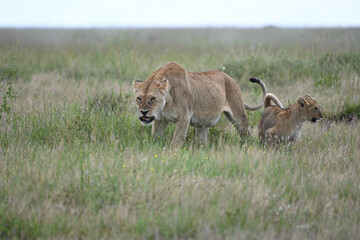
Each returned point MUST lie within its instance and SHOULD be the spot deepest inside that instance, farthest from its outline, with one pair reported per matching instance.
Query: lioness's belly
(204, 122)
(195, 120)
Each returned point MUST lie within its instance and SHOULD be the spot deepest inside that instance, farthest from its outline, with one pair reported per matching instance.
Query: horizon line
(265, 26)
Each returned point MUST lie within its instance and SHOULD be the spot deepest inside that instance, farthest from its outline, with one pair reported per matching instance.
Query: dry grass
(72, 168)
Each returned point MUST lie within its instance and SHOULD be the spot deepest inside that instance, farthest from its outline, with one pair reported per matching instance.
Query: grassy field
(76, 163)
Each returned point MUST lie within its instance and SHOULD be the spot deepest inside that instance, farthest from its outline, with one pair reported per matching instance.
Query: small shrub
(100, 113)
(6, 100)
(348, 112)
(108, 101)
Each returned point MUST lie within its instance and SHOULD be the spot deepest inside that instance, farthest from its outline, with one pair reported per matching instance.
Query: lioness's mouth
(146, 119)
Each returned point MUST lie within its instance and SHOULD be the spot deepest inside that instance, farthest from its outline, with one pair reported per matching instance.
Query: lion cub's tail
(271, 97)
(262, 85)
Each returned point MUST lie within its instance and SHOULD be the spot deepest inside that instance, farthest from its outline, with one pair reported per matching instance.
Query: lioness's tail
(258, 81)
(269, 97)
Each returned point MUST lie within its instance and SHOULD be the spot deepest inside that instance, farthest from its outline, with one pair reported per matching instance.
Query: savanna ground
(76, 163)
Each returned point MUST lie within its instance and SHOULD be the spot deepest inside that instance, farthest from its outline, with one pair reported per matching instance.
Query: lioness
(284, 125)
(171, 94)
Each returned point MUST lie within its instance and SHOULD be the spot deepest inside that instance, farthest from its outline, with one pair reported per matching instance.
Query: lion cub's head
(310, 108)
(150, 99)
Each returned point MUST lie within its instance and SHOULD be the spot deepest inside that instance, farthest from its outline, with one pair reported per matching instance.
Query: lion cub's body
(171, 94)
(284, 125)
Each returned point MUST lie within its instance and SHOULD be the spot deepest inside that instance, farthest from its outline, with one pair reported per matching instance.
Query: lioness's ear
(162, 84)
(302, 101)
(136, 83)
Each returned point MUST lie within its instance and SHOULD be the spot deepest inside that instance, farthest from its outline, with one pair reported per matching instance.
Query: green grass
(75, 162)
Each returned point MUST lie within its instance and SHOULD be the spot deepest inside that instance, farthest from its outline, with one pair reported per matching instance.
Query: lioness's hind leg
(239, 121)
(202, 135)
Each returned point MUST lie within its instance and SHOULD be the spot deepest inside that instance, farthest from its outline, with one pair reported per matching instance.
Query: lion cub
(284, 125)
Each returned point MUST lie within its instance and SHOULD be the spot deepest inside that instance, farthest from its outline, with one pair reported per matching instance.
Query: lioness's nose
(144, 112)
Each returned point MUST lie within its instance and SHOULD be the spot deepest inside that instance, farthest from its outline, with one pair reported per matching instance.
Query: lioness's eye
(138, 99)
(152, 99)
(316, 109)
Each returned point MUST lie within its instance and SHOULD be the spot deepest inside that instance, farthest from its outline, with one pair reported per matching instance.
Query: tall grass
(76, 163)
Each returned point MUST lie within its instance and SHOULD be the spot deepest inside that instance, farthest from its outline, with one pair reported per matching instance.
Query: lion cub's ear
(162, 84)
(136, 83)
(302, 102)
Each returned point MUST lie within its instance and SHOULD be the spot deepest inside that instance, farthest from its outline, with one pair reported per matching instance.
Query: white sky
(180, 13)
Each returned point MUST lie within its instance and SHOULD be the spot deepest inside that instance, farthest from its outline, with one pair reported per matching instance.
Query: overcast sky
(180, 13)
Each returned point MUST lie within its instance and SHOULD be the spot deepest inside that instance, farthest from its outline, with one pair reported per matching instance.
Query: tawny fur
(171, 94)
(271, 97)
(278, 125)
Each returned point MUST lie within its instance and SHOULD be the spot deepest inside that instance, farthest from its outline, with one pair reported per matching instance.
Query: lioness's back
(207, 77)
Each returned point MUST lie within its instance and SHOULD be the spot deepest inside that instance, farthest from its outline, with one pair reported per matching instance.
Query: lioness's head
(311, 108)
(150, 99)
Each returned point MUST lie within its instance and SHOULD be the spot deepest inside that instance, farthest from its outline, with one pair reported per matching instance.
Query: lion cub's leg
(272, 137)
(158, 128)
(202, 135)
(239, 120)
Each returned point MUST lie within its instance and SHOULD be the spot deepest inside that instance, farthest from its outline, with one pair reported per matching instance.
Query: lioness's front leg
(158, 128)
(180, 133)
